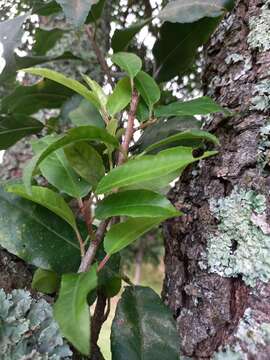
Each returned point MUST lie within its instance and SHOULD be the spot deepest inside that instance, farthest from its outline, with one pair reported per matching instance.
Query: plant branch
(81, 243)
(90, 254)
(86, 211)
(100, 56)
(96, 324)
(130, 127)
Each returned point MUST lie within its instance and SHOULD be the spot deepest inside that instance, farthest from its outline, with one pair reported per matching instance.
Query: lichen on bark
(239, 246)
(259, 35)
(209, 306)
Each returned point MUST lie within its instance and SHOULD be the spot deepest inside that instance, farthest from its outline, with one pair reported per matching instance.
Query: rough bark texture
(217, 316)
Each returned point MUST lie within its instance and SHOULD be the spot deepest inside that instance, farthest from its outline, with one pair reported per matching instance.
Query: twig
(96, 324)
(86, 211)
(81, 243)
(103, 262)
(130, 126)
(92, 250)
(99, 55)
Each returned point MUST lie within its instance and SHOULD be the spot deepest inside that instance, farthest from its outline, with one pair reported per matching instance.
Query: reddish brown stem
(80, 240)
(100, 57)
(90, 254)
(103, 262)
(130, 127)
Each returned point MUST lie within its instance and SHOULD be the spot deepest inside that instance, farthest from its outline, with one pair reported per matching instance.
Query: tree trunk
(218, 255)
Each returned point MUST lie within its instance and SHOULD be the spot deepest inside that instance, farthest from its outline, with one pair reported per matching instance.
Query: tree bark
(217, 255)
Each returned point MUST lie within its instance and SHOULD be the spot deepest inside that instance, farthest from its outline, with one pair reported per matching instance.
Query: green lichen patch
(239, 246)
(28, 330)
(259, 36)
(250, 335)
(261, 99)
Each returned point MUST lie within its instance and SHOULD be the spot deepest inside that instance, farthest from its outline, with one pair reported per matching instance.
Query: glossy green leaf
(142, 113)
(57, 170)
(188, 11)
(121, 235)
(63, 80)
(45, 281)
(180, 41)
(97, 91)
(86, 161)
(143, 327)
(135, 203)
(162, 129)
(76, 11)
(160, 185)
(130, 63)
(45, 9)
(147, 88)
(36, 235)
(46, 39)
(15, 127)
(120, 97)
(200, 106)
(148, 167)
(78, 134)
(47, 198)
(96, 12)
(71, 309)
(187, 136)
(122, 37)
(30, 99)
(86, 114)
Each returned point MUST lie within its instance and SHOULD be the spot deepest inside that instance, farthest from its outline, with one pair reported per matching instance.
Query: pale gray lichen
(259, 36)
(236, 58)
(239, 247)
(264, 146)
(261, 99)
(250, 334)
(28, 330)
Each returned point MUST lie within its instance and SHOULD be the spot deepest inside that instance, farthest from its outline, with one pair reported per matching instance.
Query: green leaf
(135, 203)
(143, 327)
(122, 37)
(120, 97)
(76, 11)
(162, 129)
(180, 41)
(187, 136)
(63, 80)
(130, 63)
(78, 134)
(188, 11)
(160, 185)
(96, 12)
(121, 235)
(71, 309)
(15, 127)
(57, 170)
(36, 235)
(200, 106)
(30, 99)
(147, 88)
(47, 198)
(11, 32)
(86, 161)
(148, 167)
(142, 113)
(46, 39)
(45, 9)
(86, 114)
(45, 281)
(97, 91)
